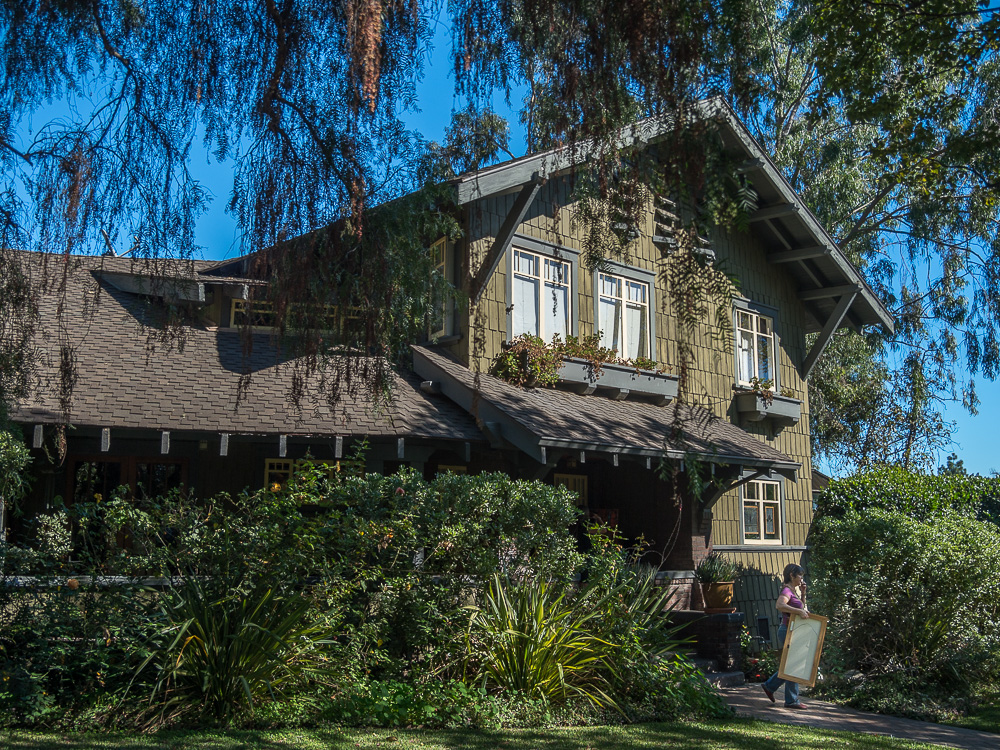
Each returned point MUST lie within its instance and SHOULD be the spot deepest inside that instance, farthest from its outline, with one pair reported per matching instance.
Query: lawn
(722, 735)
(985, 718)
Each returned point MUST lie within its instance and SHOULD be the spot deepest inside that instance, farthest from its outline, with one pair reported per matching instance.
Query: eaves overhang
(542, 422)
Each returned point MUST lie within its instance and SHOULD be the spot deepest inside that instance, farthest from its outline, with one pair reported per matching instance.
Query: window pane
(743, 320)
(156, 479)
(525, 313)
(525, 263)
(764, 326)
(770, 521)
(610, 286)
(764, 358)
(556, 271)
(610, 326)
(744, 355)
(637, 292)
(637, 338)
(770, 491)
(556, 307)
(751, 521)
(96, 478)
(751, 490)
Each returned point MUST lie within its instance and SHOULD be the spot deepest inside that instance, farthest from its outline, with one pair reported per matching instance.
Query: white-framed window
(754, 348)
(441, 306)
(542, 295)
(762, 512)
(623, 315)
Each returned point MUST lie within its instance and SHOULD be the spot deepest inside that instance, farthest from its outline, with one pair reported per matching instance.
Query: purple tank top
(793, 601)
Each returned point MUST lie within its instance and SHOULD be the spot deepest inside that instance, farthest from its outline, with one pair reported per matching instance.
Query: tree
(884, 117)
(954, 467)
(304, 98)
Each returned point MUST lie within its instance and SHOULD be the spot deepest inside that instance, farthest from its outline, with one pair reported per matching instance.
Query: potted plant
(716, 575)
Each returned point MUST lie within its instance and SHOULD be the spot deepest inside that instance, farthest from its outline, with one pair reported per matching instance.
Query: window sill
(759, 547)
(754, 407)
(620, 381)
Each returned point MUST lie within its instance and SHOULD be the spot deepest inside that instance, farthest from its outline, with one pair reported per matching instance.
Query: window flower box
(755, 406)
(579, 374)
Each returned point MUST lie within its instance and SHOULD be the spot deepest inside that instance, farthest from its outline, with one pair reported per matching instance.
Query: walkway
(749, 700)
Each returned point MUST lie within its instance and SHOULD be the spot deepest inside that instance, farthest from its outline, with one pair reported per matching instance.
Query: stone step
(706, 665)
(726, 679)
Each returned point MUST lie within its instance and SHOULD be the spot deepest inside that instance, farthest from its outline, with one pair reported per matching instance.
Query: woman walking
(791, 600)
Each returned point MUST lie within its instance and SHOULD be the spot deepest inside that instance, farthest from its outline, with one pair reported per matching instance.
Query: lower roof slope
(134, 373)
(536, 419)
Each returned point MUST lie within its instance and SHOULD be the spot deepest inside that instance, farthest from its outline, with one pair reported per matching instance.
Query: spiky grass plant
(530, 637)
(218, 655)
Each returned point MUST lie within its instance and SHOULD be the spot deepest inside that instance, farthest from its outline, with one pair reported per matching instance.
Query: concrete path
(749, 700)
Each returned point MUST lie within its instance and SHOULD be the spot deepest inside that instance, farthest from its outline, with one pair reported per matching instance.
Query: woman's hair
(793, 570)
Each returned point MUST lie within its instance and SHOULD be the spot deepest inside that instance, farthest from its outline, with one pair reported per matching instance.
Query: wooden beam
(774, 212)
(798, 253)
(105, 439)
(38, 437)
(828, 292)
(224, 444)
(750, 165)
(503, 239)
(164, 442)
(831, 325)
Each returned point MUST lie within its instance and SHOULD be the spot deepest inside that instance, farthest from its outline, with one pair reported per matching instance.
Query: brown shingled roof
(539, 418)
(128, 376)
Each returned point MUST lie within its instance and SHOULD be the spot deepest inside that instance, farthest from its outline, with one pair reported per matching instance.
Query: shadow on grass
(724, 735)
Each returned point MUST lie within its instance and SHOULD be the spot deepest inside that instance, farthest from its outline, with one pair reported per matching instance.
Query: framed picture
(802, 649)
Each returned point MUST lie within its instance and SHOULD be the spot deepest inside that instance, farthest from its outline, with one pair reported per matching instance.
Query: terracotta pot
(718, 595)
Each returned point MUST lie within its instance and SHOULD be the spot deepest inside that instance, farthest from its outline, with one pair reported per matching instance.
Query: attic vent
(667, 223)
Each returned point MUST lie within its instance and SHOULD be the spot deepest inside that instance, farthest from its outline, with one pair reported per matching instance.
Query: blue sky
(216, 232)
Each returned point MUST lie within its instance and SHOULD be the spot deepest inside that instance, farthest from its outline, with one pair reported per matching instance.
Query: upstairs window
(441, 320)
(754, 348)
(623, 312)
(541, 295)
(762, 512)
(255, 313)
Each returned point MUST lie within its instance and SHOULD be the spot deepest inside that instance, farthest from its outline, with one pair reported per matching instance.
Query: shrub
(216, 656)
(919, 496)
(532, 638)
(912, 601)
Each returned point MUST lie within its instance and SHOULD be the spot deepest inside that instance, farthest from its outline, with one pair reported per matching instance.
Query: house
(152, 411)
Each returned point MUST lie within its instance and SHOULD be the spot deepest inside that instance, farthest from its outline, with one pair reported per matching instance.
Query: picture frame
(802, 649)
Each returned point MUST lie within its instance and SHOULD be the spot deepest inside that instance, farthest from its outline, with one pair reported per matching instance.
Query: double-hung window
(542, 291)
(754, 347)
(441, 323)
(762, 512)
(623, 312)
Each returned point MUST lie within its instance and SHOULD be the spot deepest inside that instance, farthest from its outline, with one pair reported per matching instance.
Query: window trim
(782, 530)
(630, 273)
(552, 252)
(760, 310)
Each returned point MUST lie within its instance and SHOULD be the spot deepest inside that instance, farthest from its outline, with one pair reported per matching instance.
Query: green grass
(720, 735)
(986, 718)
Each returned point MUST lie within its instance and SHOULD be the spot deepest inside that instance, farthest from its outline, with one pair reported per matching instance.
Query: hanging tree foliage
(304, 99)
